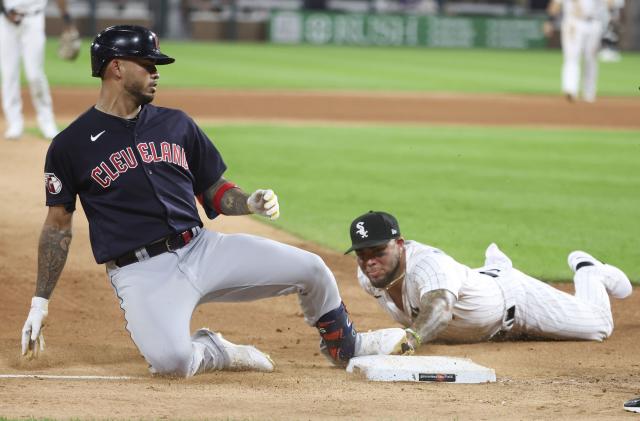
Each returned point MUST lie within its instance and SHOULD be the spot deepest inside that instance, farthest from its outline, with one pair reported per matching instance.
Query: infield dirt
(86, 335)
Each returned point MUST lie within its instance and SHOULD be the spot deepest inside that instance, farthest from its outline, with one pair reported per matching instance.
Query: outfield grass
(266, 66)
(538, 193)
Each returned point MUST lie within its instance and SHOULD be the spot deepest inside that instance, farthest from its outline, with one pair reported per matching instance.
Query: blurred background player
(22, 35)
(581, 35)
(610, 51)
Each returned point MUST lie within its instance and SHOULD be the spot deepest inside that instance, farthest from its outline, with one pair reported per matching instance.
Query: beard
(390, 276)
(140, 92)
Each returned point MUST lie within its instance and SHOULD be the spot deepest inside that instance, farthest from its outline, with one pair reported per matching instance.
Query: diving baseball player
(22, 35)
(437, 298)
(581, 34)
(137, 170)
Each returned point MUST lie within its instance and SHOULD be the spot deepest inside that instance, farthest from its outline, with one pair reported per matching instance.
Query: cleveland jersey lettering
(120, 162)
(138, 182)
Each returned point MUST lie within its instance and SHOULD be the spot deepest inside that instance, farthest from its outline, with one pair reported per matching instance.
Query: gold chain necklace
(394, 282)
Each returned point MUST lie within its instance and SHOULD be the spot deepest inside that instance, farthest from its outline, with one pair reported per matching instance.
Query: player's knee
(174, 362)
(608, 330)
(604, 332)
(318, 270)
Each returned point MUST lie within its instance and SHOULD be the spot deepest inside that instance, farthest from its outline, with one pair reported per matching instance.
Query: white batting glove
(32, 338)
(265, 203)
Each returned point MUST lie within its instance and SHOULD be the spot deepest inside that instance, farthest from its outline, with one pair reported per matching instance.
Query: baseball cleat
(49, 132)
(391, 341)
(239, 357)
(13, 133)
(614, 280)
(632, 405)
(494, 257)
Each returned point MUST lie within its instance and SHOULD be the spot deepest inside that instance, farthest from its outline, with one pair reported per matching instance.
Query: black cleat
(633, 405)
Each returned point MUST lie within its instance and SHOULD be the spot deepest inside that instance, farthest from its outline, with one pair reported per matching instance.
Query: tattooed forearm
(436, 311)
(52, 255)
(233, 202)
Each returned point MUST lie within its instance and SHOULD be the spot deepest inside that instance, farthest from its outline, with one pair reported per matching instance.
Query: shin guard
(338, 335)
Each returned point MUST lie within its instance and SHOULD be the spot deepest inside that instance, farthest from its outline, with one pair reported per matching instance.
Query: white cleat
(13, 133)
(50, 132)
(494, 257)
(614, 280)
(238, 357)
(391, 341)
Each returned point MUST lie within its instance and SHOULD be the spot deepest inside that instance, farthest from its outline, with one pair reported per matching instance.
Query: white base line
(48, 376)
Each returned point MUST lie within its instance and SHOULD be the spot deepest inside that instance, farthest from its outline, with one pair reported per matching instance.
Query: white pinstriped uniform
(483, 299)
(583, 24)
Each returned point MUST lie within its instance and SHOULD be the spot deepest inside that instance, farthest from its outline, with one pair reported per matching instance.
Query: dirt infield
(86, 335)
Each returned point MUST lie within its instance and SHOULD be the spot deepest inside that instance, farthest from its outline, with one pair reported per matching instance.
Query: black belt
(169, 243)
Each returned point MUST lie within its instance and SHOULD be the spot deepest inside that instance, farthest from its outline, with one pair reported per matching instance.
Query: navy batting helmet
(125, 41)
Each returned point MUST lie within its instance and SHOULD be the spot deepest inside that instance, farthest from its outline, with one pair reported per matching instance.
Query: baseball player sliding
(583, 24)
(136, 169)
(22, 35)
(435, 297)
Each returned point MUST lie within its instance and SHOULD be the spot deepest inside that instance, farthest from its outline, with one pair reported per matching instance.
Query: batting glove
(265, 203)
(32, 338)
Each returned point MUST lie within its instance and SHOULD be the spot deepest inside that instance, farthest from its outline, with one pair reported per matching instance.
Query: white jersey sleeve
(430, 269)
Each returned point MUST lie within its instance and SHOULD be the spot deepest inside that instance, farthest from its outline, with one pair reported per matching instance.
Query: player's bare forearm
(53, 249)
(436, 311)
(233, 201)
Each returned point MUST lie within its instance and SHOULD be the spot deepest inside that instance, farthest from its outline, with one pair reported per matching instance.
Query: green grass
(538, 193)
(266, 66)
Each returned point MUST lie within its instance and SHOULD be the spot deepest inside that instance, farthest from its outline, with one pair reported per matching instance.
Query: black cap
(372, 229)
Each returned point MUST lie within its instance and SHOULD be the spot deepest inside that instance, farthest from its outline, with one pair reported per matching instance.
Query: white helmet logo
(52, 183)
(361, 231)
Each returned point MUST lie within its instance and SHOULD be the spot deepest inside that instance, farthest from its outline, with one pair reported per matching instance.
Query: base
(398, 368)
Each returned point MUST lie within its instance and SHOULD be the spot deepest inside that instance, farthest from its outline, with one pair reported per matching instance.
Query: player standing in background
(137, 169)
(581, 34)
(22, 35)
(610, 51)
(437, 298)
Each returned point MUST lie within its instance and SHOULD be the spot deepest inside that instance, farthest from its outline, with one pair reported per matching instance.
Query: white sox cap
(372, 229)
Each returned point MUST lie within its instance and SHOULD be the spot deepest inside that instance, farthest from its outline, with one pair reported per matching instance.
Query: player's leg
(589, 270)
(10, 74)
(158, 302)
(571, 39)
(158, 298)
(242, 267)
(33, 44)
(245, 267)
(592, 42)
(551, 313)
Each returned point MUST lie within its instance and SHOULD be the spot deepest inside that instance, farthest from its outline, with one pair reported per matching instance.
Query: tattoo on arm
(52, 255)
(436, 311)
(234, 201)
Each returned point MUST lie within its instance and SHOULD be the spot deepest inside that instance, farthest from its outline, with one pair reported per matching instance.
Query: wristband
(415, 335)
(217, 198)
